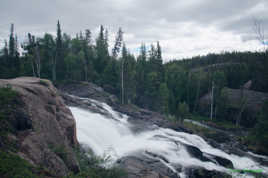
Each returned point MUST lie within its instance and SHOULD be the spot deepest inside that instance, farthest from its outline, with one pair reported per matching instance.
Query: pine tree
(155, 76)
(124, 56)
(163, 98)
(58, 62)
(12, 46)
(88, 37)
(141, 75)
(102, 51)
(118, 43)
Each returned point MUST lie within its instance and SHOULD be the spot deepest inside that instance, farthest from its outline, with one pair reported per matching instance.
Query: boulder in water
(196, 172)
(140, 166)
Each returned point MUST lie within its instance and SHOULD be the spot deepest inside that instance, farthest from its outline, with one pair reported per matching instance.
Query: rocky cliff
(43, 129)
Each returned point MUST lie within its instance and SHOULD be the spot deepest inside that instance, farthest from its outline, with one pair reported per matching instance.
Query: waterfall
(110, 134)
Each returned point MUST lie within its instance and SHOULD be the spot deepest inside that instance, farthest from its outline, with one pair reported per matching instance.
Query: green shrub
(257, 139)
(90, 166)
(15, 167)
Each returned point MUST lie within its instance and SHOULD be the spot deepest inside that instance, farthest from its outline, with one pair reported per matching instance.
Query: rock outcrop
(253, 99)
(92, 91)
(240, 103)
(144, 167)
(46, 131)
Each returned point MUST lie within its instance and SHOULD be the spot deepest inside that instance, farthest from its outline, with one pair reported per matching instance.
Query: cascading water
(110, 134)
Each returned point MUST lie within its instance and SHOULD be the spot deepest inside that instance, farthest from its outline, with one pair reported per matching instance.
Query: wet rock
(195, 152)
(135, 113)
(196, 172)
(220, 160)
(140, 166)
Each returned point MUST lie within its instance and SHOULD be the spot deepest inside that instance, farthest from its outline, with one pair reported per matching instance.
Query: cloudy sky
(184, 28)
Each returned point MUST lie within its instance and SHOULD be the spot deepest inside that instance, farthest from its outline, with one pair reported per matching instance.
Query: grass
(220, 124)
(198, 129)
(207, 133)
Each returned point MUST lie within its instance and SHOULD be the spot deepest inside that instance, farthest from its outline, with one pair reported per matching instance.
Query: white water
(111, 135)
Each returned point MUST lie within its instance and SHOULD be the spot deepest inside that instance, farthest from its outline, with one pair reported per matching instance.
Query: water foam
(113, 137)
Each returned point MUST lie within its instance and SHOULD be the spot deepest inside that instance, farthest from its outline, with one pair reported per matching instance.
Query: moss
(60, 151)
(15, 167)
(44, 82)
(8, 103)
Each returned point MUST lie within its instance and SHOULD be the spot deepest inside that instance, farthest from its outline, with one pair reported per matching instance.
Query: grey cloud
(147, 20)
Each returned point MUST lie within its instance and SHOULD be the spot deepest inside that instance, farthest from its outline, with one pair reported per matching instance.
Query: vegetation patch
(60, 151)
(44, 82)
(92, 166)
(13, 166)
(206, 132)
(257, 139)
(8, 103)
(220, 124)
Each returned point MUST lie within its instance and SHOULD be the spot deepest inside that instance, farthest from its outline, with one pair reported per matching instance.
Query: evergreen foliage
(143, 80)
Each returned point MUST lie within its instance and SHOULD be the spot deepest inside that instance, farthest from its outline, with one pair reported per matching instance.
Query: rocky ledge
(45, 130)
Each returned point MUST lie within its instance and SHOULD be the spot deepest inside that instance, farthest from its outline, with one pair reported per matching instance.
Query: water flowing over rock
(46, 131)
(146, 144)
(152, 151)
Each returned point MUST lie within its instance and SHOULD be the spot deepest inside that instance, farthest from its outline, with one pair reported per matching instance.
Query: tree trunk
(197, 94)
(54, 69)
(122, 81)
(32, 63)
(212, 99)
(243, 106)
(37, 61)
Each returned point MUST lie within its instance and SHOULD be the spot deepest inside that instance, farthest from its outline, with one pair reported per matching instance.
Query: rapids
(110, 135)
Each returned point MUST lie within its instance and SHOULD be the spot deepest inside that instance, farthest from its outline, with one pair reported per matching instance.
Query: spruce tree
(118, 43)
(58, 63)
(102, 51)
(12, 47)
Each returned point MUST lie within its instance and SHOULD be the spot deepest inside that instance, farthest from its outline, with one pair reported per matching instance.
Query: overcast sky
(184, 28)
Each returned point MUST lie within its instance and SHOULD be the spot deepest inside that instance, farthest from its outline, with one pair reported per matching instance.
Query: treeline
(61, 58)
(143, 80)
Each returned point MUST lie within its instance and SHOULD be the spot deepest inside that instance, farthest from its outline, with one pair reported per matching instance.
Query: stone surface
(254, 99)
(135, 113)
(140, 166)
(46, 132)
(196, 172)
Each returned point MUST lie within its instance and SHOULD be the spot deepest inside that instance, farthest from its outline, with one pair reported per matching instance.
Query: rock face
(88, 90)
(47, 133)
(203, 173)
(141, 167)
(92, 91)
(236, 99)
(254, 100)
